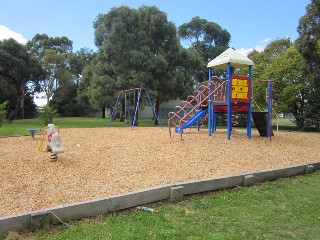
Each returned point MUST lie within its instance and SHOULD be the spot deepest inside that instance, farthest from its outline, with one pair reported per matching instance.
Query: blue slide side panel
(192, 120)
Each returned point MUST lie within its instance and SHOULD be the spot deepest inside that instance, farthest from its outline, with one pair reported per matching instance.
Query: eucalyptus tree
(140, 48)
(65, 96)
(281, 62)
(308, 44)
(97, 86)
(291, 86)
(78, 60)
(53, 55)
(206, 38)
(83, 91)
(19, 72)
(262, 61)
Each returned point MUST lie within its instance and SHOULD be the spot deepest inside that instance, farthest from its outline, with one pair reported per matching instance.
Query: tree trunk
(299, 116)
(19, 106)
(299, 122)
(103, 112)
(22, 104)
(156, 109)
(14, 112)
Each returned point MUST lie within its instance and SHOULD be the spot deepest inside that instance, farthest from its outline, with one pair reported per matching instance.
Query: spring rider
(53, 141)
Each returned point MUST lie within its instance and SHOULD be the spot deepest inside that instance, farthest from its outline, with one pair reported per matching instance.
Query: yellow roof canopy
(237, 60)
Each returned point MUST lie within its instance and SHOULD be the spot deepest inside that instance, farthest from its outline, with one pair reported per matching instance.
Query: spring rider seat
(53, 141)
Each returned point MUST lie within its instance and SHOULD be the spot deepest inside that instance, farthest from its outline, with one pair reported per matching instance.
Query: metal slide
(261, 122)
(188, 113)
(192, 120)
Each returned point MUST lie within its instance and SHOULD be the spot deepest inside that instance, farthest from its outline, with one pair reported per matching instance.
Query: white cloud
(6, 33)
(260, 47)
(244, 51)
(40, 99)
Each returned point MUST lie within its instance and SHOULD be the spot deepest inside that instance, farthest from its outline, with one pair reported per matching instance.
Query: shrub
(47, 114)
(3, 112)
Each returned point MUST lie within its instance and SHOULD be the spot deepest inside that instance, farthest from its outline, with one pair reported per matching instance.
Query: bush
(3, 112)
(47, 114)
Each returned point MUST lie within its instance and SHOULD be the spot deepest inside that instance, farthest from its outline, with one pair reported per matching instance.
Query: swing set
(136, 99)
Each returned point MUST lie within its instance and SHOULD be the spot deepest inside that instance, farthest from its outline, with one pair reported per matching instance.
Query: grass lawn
(283, 122)
(19, 127)
(283, 209)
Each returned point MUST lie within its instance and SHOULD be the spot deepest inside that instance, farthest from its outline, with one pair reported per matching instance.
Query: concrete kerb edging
(173, 192)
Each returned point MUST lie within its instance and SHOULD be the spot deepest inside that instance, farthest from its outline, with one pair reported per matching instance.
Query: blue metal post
(213, 117)
(154, 112)
(199, 109)
(127, 107)
(136, 110)
(229, 111)
(249, 114)
(269, 109)
(113, 110)
(209, 105)
(215, 123)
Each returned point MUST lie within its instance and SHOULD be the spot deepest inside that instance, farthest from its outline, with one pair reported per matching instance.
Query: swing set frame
(137, 105)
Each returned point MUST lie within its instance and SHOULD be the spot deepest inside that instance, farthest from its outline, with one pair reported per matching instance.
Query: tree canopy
(308, 44)
(208, 39)
(19, 72)
(140, 48)
(52, 53)
(281, 62)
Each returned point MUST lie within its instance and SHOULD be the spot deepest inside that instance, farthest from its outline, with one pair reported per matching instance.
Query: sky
(252, 23)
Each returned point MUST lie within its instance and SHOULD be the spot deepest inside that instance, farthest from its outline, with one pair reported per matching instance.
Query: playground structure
(136, 101)
(53, 141)
(230, 96)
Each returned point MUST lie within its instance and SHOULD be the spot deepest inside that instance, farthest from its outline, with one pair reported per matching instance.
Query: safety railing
(212, 90)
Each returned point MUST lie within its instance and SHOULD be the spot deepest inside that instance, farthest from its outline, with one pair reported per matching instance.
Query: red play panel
(223, 109)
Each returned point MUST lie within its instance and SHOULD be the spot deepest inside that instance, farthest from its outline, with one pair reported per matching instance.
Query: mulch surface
(100, 162)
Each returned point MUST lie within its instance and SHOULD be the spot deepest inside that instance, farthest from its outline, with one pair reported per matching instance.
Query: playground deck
(109, 161)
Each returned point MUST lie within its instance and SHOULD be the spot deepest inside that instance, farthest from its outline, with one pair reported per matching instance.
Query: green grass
(283, 122)
(19, 127)
(283, 209)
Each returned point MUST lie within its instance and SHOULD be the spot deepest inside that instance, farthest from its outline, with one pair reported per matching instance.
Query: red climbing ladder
(212, 90)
